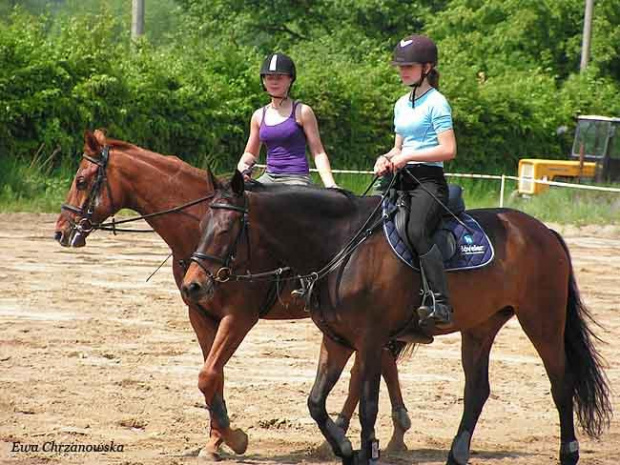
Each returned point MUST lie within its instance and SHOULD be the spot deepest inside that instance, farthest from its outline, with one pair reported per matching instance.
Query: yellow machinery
(595, 155)
(549, 170)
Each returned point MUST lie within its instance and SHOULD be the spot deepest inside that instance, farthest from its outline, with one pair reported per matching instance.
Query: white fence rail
(502, 178)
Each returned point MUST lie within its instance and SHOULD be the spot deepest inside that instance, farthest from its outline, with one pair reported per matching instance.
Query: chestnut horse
(369, 297)
(114, 175)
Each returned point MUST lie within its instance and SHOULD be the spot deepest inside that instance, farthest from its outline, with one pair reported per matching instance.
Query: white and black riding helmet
(278, 63)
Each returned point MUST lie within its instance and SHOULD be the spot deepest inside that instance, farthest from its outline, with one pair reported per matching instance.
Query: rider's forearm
(246, 161)
(324, 168)
(392, 153)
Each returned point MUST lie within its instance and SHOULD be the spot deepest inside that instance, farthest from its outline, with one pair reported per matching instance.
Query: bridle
(224, 273)
(86, 225)
(85, 213)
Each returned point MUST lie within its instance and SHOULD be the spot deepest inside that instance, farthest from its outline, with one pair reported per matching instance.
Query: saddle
(462, 241)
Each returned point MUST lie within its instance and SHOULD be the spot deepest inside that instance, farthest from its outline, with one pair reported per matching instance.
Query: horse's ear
(237, 183)
(100, 136)
(91, 145)
(211, 179)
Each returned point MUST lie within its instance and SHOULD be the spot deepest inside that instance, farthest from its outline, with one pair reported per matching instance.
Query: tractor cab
(597, 139)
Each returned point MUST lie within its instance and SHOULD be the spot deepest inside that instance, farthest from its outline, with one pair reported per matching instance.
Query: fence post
(501, 192)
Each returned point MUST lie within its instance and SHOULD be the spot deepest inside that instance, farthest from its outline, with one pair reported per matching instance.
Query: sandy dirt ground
(91, 353)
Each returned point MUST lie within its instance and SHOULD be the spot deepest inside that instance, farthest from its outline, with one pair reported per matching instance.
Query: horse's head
(89, 201)
(223, 227)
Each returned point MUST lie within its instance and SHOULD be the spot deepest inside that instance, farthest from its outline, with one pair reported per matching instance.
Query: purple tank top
(286, 145)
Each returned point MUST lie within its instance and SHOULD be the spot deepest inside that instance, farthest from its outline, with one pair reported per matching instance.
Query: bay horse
(370, 297)
(114, 175)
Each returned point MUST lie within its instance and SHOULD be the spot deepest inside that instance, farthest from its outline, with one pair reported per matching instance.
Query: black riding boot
(432, 264)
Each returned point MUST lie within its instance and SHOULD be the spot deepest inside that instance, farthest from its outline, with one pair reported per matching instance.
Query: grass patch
(40, 186)
(33, 186)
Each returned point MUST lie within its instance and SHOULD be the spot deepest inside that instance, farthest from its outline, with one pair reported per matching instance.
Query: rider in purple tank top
(286, 145)
(286, 128)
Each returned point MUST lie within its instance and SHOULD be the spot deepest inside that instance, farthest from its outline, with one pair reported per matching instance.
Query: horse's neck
(155, 183)
(308, 235)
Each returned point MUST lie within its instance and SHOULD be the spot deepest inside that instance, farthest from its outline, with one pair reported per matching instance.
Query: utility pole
(587, 34)
(137, 19)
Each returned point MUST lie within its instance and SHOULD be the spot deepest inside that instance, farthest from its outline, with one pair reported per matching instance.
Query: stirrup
(438, 312)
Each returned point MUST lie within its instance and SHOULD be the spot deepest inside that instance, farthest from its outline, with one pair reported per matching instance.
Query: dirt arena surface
(91, 353)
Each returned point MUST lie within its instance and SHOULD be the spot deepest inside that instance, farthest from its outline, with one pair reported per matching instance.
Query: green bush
(508, 70)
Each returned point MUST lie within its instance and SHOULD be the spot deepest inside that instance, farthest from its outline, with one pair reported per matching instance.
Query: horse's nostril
(58, 236)
(194, 288)
(191, 290)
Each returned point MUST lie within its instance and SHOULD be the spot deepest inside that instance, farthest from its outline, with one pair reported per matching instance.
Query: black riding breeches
(421, 181)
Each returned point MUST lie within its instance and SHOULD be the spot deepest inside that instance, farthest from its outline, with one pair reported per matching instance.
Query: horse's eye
(81, 184)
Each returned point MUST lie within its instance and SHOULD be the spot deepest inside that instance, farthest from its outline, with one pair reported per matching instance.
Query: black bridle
(224, 273)
(85, 223)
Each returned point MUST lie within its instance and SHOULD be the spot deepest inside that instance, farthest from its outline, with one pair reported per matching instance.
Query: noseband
(85, 213)
(224, 273)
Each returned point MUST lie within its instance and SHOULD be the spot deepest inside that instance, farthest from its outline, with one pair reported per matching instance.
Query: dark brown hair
(433, 78)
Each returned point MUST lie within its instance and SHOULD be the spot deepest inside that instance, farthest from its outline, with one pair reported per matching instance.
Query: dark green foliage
(509, 69)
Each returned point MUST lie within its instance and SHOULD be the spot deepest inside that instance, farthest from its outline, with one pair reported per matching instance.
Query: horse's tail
(591, 391)
(401, 350)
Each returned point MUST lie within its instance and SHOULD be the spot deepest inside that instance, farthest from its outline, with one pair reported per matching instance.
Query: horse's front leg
(230, 333)
(205, 328)
(332, 360)
(370, 373)
(400, 417)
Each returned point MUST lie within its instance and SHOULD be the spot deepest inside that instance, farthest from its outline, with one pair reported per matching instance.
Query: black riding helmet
(415, 49)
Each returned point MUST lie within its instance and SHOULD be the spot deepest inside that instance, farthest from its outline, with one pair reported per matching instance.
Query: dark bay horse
(115, 175)
(369, 298)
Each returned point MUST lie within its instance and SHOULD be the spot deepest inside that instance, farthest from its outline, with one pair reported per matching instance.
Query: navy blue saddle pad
(473, 247)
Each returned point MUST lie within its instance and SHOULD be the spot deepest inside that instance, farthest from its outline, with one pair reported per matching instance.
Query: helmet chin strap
(415, 87)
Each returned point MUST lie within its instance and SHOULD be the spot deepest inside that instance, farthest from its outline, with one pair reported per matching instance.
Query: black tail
(584, 362)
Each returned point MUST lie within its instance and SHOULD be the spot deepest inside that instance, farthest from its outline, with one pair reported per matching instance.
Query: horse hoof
(237, 440)
(395, 446)
(346, 448)
(209, 455)
(452, 460)
(569, 459)
(324, 452)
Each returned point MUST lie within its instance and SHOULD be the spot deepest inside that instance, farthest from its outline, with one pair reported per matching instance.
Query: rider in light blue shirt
(420, 125)
(424, 140)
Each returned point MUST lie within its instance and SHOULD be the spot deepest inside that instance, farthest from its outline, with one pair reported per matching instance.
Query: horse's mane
(142, 152)
(255, 186)
(331, 202)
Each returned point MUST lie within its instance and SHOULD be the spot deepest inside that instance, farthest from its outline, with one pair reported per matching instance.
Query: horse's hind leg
(332, 360)
(475, 349)
(400, 417)
(548, 339)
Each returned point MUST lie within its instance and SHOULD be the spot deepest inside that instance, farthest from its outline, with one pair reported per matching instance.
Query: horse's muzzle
(195, 291)
(73, 239)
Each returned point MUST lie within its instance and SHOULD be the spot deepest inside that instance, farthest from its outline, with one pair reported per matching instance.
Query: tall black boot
(432, 264)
